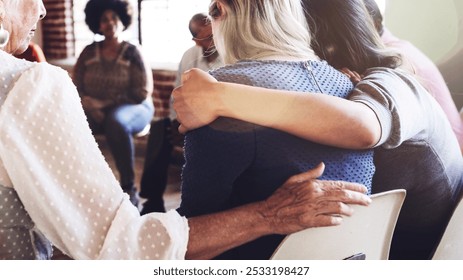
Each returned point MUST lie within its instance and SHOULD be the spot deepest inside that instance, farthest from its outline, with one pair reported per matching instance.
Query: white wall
(436, 27)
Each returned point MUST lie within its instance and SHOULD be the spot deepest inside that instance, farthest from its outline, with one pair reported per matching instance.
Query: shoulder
(131, 46)
(190, 58)
(88, 52)
(44, 67)
(12, 66)
(46, 75)
(398, 90)
(132, 49)
(191, 54)
(387, 77)
(133, 52)
(192, 50)
(238, 72)
(324, 71)
(243, 66)
(90, 48)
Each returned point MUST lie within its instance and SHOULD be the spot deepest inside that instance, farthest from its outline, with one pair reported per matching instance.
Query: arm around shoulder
(316, 117)
(301, 202)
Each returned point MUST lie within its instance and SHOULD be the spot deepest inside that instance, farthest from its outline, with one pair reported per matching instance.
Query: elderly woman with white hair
(56, 188)
(388, 110)
(266, 43)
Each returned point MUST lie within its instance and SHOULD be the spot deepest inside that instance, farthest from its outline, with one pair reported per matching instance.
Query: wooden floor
(172, 194)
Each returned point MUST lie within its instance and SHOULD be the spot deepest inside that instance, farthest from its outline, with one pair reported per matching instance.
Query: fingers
(193, 72)
(349, 73)
(345, 192)
(330, 185)
(346, 196)
(185, 76)
(357, 76)
(320, 191)
(333, 208)
(300, 216)
(348, 186)
(175, 92)
(182, 129)
(308, 175)
(352, 75)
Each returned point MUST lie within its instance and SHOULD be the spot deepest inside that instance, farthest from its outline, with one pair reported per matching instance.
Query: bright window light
(164, 28)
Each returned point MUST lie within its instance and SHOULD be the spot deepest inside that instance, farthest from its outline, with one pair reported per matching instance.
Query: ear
(221, 8)
(217, 10)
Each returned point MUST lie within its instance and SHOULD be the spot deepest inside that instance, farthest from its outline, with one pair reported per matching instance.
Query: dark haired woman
(415, 147)
(56, 185)
(115, 85)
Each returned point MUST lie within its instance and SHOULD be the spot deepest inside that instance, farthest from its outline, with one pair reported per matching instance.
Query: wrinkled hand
(303, 202)
(352, 75)
(195, 100)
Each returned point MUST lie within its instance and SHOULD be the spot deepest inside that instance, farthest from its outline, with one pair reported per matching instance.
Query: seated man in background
(164, 134)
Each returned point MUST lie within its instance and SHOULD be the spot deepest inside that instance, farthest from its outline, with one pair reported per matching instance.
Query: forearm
(211, 235)
(317, 117)
(301, 202)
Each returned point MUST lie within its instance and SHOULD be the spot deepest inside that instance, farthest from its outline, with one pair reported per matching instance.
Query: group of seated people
(399, 130)
(292, 84)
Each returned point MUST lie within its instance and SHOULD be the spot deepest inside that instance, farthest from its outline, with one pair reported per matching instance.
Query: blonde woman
(229, 162)
(389, 110)
(55, 186)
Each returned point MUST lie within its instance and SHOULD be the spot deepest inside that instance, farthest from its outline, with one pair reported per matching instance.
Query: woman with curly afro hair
(115, 84)
(95, 9)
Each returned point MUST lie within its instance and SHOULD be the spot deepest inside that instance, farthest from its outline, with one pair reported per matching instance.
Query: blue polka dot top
(232, 162)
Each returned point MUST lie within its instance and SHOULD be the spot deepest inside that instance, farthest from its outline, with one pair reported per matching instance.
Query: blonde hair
(345, 36)
(255, 29)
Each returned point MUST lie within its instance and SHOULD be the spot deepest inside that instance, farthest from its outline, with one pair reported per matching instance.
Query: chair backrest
(451, 245)
(368, 231)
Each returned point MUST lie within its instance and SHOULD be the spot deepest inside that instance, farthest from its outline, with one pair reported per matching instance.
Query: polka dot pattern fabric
(49, 157)
(231, 162)
(18, 238)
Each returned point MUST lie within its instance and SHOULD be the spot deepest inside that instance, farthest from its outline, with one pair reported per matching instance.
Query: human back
(47, 167)
(230, 162)
(424, 68)
(24, 240)
(417, 144)
(420, 149)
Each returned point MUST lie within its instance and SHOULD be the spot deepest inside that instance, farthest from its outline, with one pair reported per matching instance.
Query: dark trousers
(157, 160)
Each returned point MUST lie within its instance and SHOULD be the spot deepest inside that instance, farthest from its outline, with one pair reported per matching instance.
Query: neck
(112, 41)
(284, 57)
(210, 55)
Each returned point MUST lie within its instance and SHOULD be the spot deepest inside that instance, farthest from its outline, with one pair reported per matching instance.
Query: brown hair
(344, 35)
(375, 14)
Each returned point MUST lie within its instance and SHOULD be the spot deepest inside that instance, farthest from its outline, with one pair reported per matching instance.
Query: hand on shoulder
(304, 201)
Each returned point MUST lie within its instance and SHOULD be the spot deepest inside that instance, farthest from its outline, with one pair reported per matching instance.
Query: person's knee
(115, 125)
